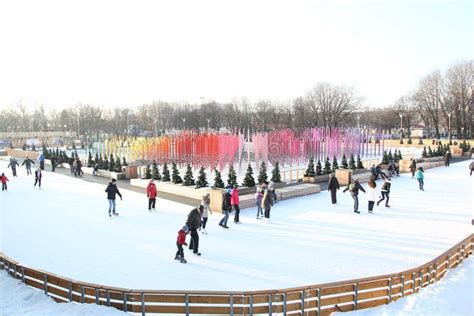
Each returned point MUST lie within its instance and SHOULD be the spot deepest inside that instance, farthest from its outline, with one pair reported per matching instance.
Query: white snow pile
(453, 295)
(64, 228)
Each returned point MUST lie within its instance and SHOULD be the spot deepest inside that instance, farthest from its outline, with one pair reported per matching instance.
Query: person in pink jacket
(234, 201)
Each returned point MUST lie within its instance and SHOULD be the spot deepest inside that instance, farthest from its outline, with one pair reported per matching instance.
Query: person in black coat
(447, 158)
(226, 207)
(38, 177)
(333, 186)
(28, 163)
(112, 191)
(194, 223)
(354, 188)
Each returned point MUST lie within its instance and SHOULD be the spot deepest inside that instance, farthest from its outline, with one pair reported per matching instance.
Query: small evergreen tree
(90, 162)
(262, 176)
(45, 152)
(148, 172)
(424, 153)
(201, 181)
(335, 165)
(319, 168)
(118, 165)
(352, 164)
(188, 177)
(385, 158)
(112, 163)
(276, 177)
(249, 180)
(344, 164)
(105, 164)
(310, 170)
(155, 172)
(166, 173)
(232, 177)
(390, 156)
(175, 174)
(420, 141)
(359, 163)
(124, 162)
(96, 160)
(399, 156)
(327, 166)
(101, 162)
(218, 183)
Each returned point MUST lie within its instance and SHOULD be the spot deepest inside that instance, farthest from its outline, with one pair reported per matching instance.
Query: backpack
(352, 187)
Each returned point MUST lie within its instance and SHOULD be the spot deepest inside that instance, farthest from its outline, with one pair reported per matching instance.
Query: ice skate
(177, 257)
(183, 260)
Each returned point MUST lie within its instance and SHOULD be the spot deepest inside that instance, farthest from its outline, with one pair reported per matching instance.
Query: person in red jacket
(180, 241)
(151, 194)
(4, 182)
(234, 201)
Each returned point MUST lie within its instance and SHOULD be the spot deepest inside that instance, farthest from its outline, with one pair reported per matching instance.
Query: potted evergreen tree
(309, 173)
(155, 172)
(262, 176)
(232, 177)
(188, 177)
(218, 183)
(148, 172)
(327, 166)
(352, 164)
(166, 173)
(175, 174)
(276, 177)
(249, 180)
(201, 181)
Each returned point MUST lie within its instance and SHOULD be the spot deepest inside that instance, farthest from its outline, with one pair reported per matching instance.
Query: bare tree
(429, 98)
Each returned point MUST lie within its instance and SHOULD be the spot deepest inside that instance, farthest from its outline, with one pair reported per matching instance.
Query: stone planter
(344, 176)
(309, 179)
(216, 200)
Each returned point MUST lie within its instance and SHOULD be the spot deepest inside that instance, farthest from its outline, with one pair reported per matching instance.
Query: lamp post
(401, 124)
(358, 121)
(208, 122)
(184, 123)
(449, 127)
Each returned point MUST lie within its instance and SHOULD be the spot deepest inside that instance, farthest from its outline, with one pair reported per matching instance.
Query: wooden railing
(321, 299)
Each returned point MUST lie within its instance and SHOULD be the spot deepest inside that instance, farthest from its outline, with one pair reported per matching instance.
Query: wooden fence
(322, 299)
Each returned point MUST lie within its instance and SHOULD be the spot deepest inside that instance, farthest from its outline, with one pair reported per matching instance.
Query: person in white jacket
(372, 194)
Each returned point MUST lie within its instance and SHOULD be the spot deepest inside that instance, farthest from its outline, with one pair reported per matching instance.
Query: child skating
(180, 241)
(4, 182)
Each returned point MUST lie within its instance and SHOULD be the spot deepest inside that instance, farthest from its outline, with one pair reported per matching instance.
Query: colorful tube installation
(214, 150)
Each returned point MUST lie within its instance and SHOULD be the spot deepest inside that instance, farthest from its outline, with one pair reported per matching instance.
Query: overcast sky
(58, 53)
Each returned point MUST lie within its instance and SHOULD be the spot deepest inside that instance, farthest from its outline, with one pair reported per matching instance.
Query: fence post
(125, 298)
(390, 290)
(462, 254)
(421, 278)
(414, 282)
(284, 304)
(70, 292)
(356, 294)
(97, 301)
(142, 297)
(429, 275)
(107, 294)
(319, 302)
(403, 285)
(231, 305)
(270, 305)
(302, 301)
(14, 271)
(22, 274)
(45, 284)
(251, 305)
(186, 303)
(82, 295)
(435, 271)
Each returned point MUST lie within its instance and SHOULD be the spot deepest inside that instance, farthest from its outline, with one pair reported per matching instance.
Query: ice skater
(41, 160)
(447, 158)
(354, 188)
(180, 241)
(151, 194)
(194, 222)
(205, 202)
(371, 194)
(4, 182)
(413, 167)
(38, 177)
(267, 203)
(471, 167)
(234, 202)
(226, 208)
(112, 191)
(27, 163)
(13, 164)
(385, 192)
(421, 178)
(333, 186)
(258, 202)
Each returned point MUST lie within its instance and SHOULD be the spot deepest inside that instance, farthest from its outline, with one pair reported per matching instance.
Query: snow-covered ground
(64, 228)
(453, 296)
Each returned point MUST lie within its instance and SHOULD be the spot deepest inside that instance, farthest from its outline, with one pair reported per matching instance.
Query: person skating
(234, 202)
(226, 208)
(447, 158)
(354, 188)
(421, 178)
(271, 188)
(258, 202)
(4, 182)
(41, 160)
(385, 191)
(27, 163)
(38, 177)
(413, 167)
(53, 164)
(13, 164)
(371, 194)
(78, 168)
(151, 194)
(194, 222)
(112, 192)
(267, 203)
(333, 186)
(180, 241)
(206, 203)
(471, 167)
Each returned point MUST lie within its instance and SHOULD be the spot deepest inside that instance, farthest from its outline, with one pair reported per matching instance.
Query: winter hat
(185, 228)
(229, 190)
(114, 180)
